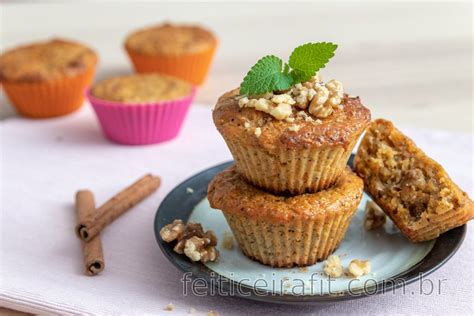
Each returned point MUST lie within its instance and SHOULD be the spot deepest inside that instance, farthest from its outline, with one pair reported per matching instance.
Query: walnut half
(191, 240)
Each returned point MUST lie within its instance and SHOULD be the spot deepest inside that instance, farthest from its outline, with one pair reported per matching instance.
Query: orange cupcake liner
(189, 67)
(49, 99)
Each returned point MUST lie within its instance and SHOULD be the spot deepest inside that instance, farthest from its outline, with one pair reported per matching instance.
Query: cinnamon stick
(93, 224)
(92, 250)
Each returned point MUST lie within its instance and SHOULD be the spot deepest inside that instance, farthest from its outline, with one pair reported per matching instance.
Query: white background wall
(409, 61)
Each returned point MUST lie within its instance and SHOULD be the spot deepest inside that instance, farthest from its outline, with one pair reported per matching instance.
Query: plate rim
(199, 270)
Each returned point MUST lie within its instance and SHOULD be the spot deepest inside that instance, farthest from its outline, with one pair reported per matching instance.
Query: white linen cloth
(44, 162)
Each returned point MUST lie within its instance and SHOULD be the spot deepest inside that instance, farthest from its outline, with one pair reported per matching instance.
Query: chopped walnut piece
(212, 313)
(294, 128)
(333, 267)
(169, 307)
(227, 241)
(193, 248)
(358, 268)
(317, 98)
(191, 240)
(258, 132)
(172, 231)
(374, 217)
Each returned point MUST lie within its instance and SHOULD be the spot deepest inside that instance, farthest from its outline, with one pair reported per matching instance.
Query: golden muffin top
(257, 128)
(141, 88)
(45, 61)
(170, 39)
(229, 192)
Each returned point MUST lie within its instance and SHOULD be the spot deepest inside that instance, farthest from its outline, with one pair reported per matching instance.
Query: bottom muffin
(286, 231)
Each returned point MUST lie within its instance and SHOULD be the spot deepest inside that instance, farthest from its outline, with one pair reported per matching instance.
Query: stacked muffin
(289, 198)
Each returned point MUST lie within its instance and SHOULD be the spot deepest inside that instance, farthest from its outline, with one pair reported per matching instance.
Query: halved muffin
(413, 189)
(283, 231)
(288, 148)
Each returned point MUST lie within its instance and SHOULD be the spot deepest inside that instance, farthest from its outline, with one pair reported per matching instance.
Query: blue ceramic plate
(395, 261)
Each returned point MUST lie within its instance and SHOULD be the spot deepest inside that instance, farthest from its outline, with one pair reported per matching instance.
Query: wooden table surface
(409, 62)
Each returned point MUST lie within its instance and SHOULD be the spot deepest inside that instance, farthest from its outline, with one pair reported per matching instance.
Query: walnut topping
(333, 267)
(294, 128)
(191, 240)
(374, 217)
(358, 268)
(319, 99)
(258, 132)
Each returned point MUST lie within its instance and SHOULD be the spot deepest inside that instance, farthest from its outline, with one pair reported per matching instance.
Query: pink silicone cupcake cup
(141, 123)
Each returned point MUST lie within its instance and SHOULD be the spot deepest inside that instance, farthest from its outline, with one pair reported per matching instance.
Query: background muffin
(141, 109)
(184, 51)
(299, 153)
(48, 78)
(286, 231)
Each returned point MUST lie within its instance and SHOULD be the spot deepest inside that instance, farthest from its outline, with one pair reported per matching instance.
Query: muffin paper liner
(141, 123)
(49, 99)
(189, 67)
(300, 242)
(293, 171)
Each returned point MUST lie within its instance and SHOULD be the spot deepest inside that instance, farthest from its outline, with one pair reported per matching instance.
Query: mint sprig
(266, 75)
(271, 74)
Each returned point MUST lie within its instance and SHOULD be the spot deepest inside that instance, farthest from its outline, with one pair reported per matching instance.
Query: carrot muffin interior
(403, 178)
(45, 61)
(141, 88)
(170, 39)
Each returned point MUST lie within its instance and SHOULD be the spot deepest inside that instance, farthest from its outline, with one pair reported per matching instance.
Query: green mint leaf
(307, 59)
(265, 76)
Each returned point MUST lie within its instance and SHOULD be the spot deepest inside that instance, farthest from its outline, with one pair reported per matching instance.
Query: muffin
(183, 51)
(141, 109)
(284, 144)
(411, 188)
(47, 79)
(283, 231)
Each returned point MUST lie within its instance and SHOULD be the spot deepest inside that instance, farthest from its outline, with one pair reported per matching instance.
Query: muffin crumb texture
(374, 217)
(358, 268)
(414, 190)
(191, 240)
(228, 241)
(141, 88)
(46, 61)
(318, 98)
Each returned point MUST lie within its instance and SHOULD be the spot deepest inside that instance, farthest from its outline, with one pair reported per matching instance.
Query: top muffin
(45, 61)
(292, 127)
(170, 39)
(141, 88)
